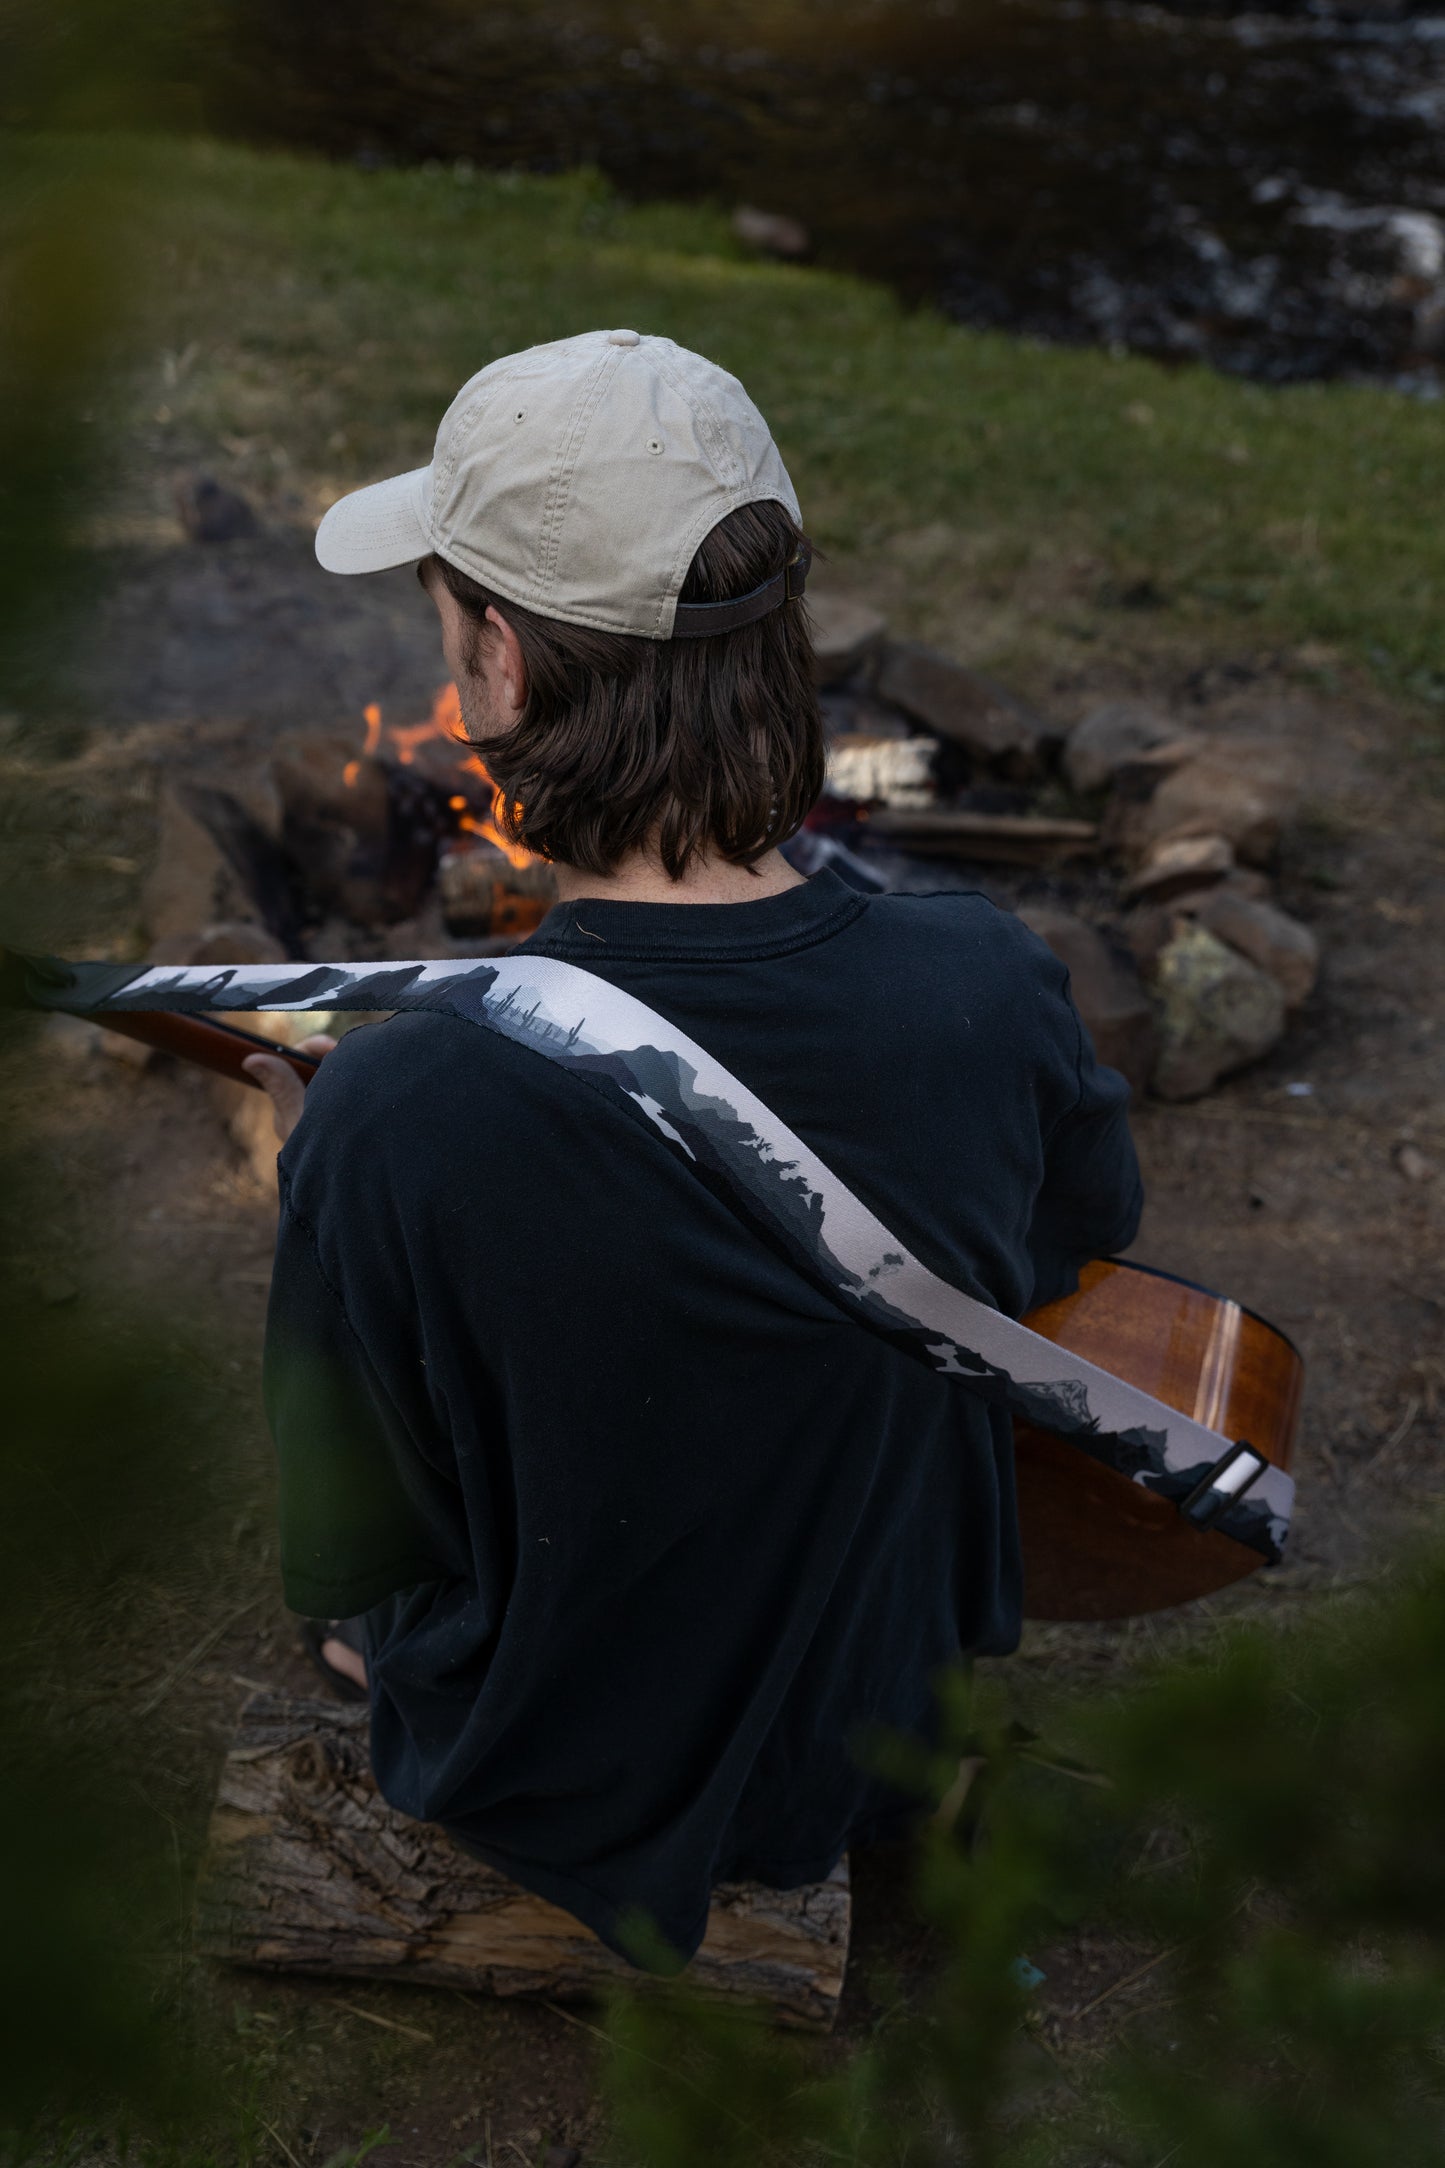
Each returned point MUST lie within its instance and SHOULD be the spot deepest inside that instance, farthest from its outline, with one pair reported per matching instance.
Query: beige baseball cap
(576, 479)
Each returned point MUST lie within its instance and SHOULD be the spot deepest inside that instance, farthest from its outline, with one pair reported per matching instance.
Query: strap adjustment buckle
(1236, 1469)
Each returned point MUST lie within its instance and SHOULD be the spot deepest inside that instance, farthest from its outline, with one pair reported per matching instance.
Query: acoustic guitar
(1095, 1545)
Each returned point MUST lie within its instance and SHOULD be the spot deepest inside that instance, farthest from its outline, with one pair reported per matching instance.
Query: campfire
(405, 825)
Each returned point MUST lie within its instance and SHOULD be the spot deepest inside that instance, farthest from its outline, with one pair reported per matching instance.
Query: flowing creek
(1262, 191)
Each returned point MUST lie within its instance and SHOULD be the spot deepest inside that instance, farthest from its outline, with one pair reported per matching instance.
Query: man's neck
(643, 879)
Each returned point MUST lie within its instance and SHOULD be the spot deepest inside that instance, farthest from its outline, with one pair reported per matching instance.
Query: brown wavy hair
(677, 746)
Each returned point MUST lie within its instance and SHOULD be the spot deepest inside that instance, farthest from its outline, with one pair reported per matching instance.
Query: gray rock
(1269, 937)
(966, 707)
(232, 941)
(1411, 1164)
(210, 512)
(1180, 864)
(1108, 991)
(1235, 787)
(1110, 735)
(774, 232)
(845, 633)
(1217, 1011)
(1145, 931)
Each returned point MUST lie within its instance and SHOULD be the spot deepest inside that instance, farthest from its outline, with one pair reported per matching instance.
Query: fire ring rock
(967, 708)
(1269, 937)
(1107, 990)
(1111, 735)
(1216, 1013)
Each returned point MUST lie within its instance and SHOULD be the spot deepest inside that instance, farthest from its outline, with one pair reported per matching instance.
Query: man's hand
(282, 1086)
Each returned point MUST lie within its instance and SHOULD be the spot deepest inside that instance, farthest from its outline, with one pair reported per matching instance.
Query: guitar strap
(746, 1156)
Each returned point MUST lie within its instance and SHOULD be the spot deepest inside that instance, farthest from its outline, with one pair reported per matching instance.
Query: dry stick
(1119, 1985)
(388, 2024)
(1402, 1428)
(272, 2132)
(189, 1661)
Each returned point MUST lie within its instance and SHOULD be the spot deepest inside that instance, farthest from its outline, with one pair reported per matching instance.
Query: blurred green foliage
(93, 1500)
(1265, 1824)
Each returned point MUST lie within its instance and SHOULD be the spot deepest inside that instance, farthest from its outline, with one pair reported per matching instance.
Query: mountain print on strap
(749, 1158)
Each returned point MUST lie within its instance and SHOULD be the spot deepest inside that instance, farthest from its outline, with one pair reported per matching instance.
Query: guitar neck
(204, 1040)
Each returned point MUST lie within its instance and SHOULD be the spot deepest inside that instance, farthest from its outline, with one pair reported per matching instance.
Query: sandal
(315, 1631)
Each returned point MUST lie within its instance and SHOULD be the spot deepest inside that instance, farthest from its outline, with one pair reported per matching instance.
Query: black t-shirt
(650, 1535)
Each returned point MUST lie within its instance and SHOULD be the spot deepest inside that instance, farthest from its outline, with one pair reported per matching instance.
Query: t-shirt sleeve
(358, 1518)
(1092, 1193)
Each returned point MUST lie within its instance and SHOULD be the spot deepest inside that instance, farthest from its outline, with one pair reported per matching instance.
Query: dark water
(1264, 191)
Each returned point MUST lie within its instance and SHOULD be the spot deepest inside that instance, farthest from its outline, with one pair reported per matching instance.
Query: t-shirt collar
(796, 917)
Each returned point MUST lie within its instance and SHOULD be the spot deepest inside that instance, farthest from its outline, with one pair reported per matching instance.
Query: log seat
(308, 1870)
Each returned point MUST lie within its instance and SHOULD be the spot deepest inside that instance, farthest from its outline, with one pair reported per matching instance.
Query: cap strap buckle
(696, 620)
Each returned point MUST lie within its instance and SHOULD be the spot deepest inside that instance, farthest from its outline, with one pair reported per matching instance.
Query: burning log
(485, 894)
(364, 833)
(308, 1870)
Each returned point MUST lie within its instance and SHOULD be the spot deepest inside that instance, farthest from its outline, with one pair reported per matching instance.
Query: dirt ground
(1292, 1200)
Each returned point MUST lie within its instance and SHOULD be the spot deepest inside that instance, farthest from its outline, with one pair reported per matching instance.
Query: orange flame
(445, 722)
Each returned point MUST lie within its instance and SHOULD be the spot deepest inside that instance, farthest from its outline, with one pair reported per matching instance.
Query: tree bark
(308, 1870)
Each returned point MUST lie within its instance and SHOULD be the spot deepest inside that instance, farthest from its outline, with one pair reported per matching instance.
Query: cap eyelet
(654, 444)
(520, 415)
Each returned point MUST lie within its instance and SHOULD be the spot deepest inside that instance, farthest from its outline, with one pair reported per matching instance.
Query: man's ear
(509, 662)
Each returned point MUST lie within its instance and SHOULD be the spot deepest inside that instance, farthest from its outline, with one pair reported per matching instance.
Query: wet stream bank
(1262, 191)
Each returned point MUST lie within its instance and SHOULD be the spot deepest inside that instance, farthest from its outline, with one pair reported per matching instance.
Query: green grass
(310, 322)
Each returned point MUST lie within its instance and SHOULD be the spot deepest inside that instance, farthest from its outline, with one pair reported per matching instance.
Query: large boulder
(966, 707)
(1108, 991)
(1269, 937)
(1109, 736)
(1217, 1011)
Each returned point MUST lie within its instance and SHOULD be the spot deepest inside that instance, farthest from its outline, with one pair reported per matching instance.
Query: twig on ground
(388, 2024)
(192, 1657)
(272, 2132)
(1086, 2009)
(1402, 1429)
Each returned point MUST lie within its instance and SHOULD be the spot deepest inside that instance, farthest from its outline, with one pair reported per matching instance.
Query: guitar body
(1095, 1545)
